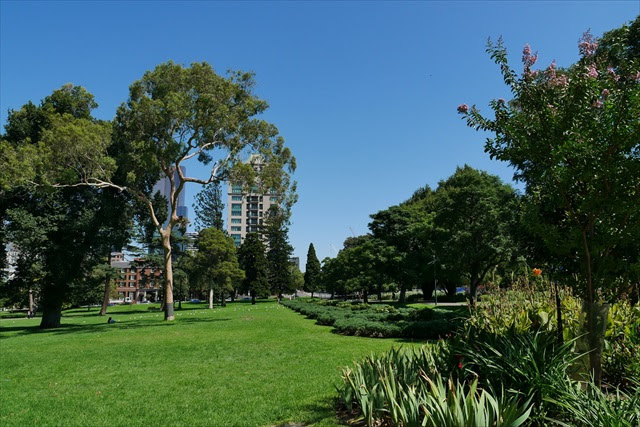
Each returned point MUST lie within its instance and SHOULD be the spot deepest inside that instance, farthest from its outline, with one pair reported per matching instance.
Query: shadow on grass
(320, 412)
(101, 327)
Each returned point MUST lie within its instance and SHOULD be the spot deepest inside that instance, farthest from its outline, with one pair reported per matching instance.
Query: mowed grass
(240, 365)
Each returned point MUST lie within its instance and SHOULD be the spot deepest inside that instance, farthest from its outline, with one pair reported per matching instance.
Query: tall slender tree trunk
(559, 315)
(365, 297)
(210, 297)
(32, 306)
(253, 298)
(168, 275)
(223, 303)
(592, 310)
(107, 291)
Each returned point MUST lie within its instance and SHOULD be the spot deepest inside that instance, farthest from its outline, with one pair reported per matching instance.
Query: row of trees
(457, 234)
(71, 185)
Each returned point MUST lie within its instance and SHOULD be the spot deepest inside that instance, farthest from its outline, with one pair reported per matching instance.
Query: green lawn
(239, 365)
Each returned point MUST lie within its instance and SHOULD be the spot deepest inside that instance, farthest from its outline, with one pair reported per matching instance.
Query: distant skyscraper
(164, 187)
(247, 211)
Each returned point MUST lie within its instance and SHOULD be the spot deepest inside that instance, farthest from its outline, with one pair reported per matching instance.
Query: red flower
(459, 365)
(537, 272)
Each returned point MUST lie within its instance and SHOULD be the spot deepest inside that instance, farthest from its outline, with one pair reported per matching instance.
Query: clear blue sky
(365, 94)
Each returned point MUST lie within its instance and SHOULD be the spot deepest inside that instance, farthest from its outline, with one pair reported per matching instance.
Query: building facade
(246, 212)
(138, 281)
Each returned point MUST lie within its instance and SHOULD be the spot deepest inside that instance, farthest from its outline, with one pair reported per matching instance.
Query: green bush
(380, 320)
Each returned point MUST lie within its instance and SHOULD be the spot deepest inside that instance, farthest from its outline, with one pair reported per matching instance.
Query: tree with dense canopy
(253, 261)
(573, 136)
(215, 264)
(61, 234)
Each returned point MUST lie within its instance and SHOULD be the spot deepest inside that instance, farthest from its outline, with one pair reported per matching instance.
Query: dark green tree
(63, 232)
(253, 261)
(209, 207)
(279, 251)
(474, 219)
(312, 271)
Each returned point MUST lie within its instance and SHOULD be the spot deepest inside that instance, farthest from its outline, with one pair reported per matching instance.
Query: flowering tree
(573, 136)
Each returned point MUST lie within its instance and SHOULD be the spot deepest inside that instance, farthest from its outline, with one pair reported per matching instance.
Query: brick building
(138, 280)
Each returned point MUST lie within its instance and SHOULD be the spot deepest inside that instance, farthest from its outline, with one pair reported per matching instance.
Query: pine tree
(254, 263)
(279, 252)
(312, 271)
(209, 207)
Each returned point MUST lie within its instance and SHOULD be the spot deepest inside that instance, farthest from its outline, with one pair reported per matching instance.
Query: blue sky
(365, 93)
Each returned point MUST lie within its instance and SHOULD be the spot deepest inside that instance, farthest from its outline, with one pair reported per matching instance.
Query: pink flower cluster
(613, 74)
(588, 44)
(592, 72)
(597, 104)
(527, 58)
(561, 81)
(605, 93)
(463, 108)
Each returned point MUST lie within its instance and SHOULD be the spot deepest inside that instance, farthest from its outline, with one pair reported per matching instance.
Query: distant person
(111, 320)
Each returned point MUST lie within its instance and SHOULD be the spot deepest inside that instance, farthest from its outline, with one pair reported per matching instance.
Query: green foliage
(209, 207)
(279, 252)
(524, 309)
(215, 265)
(312, 271)
(253, 261)
(381, 321)
(585, 404)
(404, 387)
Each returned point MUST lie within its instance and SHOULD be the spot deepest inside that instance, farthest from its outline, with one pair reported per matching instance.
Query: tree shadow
(72, 328)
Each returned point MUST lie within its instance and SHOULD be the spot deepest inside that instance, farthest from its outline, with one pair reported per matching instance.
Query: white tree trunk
(211, 298)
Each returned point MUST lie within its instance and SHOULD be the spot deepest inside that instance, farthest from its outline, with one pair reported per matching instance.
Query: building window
(273, 199)
(236, 198)
(236, 206)
(236, 213)
(236, 228)
(236, 189)
(236, 221)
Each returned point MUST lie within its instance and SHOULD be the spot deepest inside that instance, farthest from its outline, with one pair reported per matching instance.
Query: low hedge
(379, 320)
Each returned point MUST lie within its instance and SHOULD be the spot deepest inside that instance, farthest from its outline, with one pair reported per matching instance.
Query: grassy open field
(239, 365)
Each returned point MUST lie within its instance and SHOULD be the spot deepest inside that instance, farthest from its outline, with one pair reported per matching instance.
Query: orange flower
(537, 272)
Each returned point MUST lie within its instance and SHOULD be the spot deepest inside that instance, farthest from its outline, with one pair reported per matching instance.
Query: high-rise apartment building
(247, 211)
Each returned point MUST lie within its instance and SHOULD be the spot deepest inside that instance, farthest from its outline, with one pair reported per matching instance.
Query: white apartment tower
(247, 211)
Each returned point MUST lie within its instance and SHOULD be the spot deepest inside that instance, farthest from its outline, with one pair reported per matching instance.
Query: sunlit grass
(239, 365)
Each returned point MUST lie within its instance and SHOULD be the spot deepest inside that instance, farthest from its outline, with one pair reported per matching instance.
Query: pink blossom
(463, 108)
(597, 104)
(527, 59)
(501, 101)
(593, 73)
(561, 80)
(613, 74)
(605, 93)
(638, 76)
(588, 44)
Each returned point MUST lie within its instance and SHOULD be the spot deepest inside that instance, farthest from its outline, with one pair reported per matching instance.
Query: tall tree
(279, 251)
(253, 261)
(216, 264)
(209, 207)
(572, 136)
(474, 220)
(63, 232)
(312, 271)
